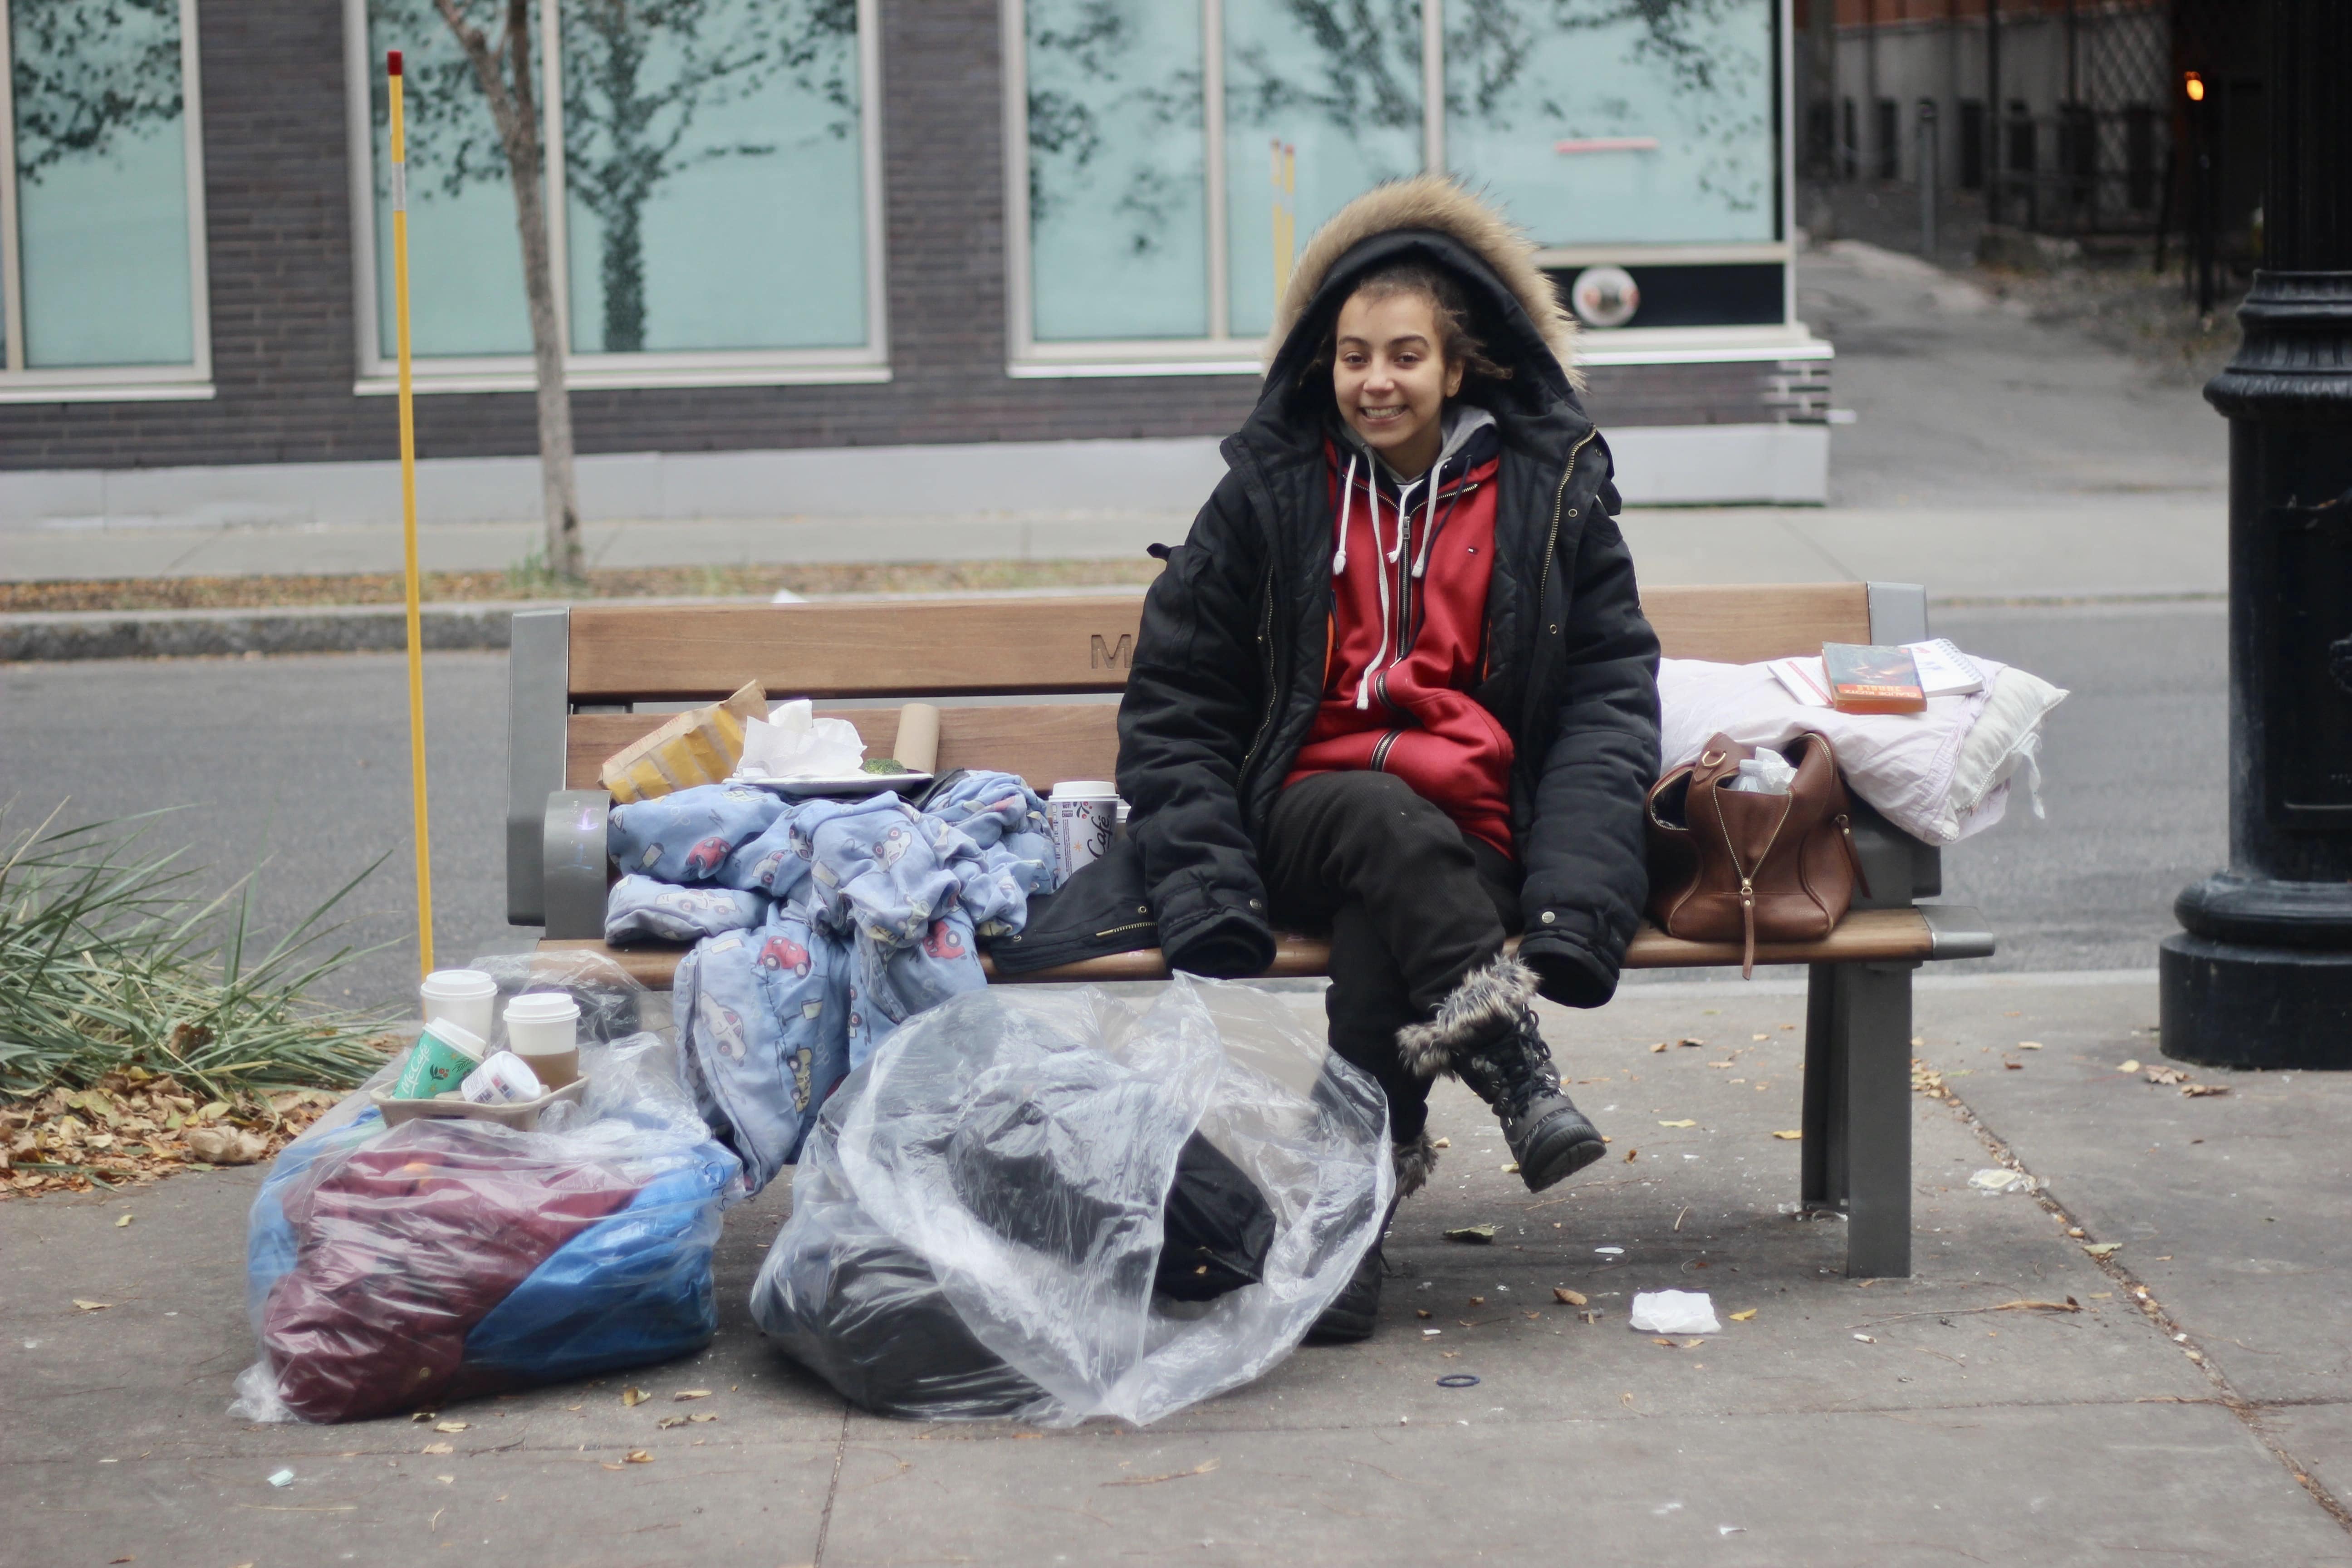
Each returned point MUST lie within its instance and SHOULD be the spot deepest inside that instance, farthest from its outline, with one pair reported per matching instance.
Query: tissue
(1765, 773)
(792, 743)
(1673, 1312)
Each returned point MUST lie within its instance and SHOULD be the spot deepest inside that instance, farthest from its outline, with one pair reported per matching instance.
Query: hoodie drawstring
(1373, 500)
(1347, 495)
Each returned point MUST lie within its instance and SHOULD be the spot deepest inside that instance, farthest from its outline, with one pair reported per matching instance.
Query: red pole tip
(391, 62)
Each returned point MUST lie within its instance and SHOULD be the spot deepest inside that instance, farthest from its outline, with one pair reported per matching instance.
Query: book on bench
(1937, 669)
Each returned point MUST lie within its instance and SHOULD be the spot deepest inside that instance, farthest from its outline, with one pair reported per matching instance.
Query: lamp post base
(2228, 1004)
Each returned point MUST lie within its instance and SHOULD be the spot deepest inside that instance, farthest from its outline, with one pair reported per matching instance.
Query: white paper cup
(543, 1030)
(1082, 815)
(503, 1080)
(464, 996)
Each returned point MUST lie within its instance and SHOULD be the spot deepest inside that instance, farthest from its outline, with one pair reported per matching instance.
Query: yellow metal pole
(408, 524)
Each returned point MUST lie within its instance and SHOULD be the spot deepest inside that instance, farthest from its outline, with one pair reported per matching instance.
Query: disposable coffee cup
(543, 1030)
(502, 1079)
(464, 996)
(444, 1054)
(1082, 815)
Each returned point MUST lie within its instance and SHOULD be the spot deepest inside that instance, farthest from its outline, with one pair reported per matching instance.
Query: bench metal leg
(1857, 1108)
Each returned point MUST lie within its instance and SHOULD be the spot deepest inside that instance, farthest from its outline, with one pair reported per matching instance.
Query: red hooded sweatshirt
(1409, 573)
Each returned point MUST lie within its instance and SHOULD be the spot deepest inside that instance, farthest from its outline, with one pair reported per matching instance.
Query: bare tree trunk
(505, 74)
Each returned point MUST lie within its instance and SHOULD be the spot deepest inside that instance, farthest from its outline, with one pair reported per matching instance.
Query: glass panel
(101, 182)
(1339, 80)
(1617, 121)
(1118, 184)
(464, 262)
(716, 187)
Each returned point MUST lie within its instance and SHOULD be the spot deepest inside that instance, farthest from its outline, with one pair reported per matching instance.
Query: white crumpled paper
(792, 743)
(1673, 1312)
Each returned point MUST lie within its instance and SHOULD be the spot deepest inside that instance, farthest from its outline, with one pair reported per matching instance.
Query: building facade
(846, 225)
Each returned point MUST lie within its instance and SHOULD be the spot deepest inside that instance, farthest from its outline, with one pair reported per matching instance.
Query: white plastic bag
(979, 1216)
(1673, 1312)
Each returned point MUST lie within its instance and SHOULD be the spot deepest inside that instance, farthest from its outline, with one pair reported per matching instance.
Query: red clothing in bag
(1409, 580)
(404, 1246)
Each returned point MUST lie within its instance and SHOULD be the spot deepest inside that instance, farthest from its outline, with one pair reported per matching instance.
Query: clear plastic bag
(979, 1216)
(393, 1268)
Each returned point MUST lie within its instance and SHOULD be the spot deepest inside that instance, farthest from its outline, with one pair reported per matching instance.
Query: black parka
(1229, 666)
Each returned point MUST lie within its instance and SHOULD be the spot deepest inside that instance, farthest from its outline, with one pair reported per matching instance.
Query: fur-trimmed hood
(1432, 204)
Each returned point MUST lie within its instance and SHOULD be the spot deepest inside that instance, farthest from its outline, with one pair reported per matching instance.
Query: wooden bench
(585, 681)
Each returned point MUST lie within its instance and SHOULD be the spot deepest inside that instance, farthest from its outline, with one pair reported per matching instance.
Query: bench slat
(1864, 936)
(1044, 743)
(623, 653)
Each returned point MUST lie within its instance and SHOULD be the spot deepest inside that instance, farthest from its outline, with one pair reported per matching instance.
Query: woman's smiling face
(1391, 378)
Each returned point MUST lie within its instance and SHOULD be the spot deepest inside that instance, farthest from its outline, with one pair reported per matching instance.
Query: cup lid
(541, 1007)
(454, 983)
(1083, 789)
(456, 1034)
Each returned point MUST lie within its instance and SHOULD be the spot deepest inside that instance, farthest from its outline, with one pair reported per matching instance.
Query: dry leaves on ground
(134, 1126)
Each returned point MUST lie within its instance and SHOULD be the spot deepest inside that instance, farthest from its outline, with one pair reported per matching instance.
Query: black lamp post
(2263, 976)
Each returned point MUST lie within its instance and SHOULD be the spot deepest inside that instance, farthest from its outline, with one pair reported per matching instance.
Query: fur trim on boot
(1415, 1163)
(1489, 1002)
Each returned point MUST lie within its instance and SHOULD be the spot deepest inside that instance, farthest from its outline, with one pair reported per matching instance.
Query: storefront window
(101, 255)
(715, 157)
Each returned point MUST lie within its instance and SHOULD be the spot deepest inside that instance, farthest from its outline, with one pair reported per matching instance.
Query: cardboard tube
(917, 746)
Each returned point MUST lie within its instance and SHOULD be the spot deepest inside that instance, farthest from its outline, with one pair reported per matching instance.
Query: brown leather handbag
(1729, 865)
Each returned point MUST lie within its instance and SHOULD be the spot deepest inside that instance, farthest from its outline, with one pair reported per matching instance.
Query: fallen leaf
(1632, 1155)
(226, 1145)
(2199, 1090)
(447, 1480)
(1567, 1297)
(614, 1467)
(1203, 1468)
(1690, 1040)
(424, 1415)
(702, 1416)
(1443, 1143)
(1473, 1235)
(634, 1396)
(639, 1456)
(666, 1422)
(2029, 1045)
(92, 1306)
(2101, 1249)
(686, 1394)
(449, 1425)
(1685, 1121)
(1511, 1168)
(1668, 1344)
(2014, 1067)
(1624, 1399)
(1693, 1344)
(1792, 1135)
(1423, 1313)
(1759, 1036)
(438, 1448)
(2131, 1065)
(119, 1224)
(1477, 1300)
(1743, 1317)
(1659, 1046)
(2166, 1075)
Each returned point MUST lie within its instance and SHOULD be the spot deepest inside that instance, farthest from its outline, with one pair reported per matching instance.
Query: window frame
(107, 383)
(1223, 355)
(378, 365)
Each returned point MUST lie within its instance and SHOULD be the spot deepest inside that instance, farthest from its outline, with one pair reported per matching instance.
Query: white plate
(857, 784)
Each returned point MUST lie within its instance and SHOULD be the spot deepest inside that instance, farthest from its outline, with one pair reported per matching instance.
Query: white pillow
(1938, 776)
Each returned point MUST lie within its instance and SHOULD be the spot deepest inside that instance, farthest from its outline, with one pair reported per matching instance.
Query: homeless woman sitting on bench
(1397, 684)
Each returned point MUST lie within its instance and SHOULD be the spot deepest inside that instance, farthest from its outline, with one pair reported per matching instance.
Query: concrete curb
(189, 634)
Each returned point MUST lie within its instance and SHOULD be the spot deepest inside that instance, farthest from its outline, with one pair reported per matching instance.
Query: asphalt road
(297, 769)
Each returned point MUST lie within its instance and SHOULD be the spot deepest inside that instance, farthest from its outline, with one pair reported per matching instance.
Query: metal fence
(2100, 162)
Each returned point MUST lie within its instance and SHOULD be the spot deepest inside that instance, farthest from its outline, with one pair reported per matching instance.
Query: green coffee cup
(444, 1054)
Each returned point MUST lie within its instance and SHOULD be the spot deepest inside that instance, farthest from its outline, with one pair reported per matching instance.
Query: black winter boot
(1355, 1311)
(1485, 1033)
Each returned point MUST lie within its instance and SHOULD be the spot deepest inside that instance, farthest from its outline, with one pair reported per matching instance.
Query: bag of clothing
(1049, 1205)
(397, 1268)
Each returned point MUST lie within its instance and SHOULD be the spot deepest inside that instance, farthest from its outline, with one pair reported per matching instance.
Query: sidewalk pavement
(1922, 1420)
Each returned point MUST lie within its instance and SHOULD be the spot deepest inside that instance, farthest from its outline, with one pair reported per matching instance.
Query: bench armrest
(572, 850)
(1900, 867)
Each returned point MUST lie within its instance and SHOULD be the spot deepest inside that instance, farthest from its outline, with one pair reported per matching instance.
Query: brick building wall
(282, 302)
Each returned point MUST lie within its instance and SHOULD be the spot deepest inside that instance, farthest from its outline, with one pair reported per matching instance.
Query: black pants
(1412, 904)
